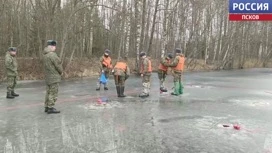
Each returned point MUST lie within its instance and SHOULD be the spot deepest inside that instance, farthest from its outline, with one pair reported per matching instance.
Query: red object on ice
(236, 127)
(99, 101)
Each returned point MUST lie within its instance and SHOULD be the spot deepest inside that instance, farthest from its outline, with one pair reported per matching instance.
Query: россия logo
(250, 10)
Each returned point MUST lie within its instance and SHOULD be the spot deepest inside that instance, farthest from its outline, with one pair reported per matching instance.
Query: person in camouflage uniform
(177, 68)
(105, 67)
(53, 71)
(11, 71)
(146, 70)
(121, 73)
(162, 71)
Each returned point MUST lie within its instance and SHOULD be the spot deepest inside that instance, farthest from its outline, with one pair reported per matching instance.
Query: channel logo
(250, 10)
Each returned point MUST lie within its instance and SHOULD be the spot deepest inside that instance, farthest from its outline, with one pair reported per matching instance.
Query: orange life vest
(149, 69)
(107, 62)
(180, 65)
(121, 66)
(162, 67)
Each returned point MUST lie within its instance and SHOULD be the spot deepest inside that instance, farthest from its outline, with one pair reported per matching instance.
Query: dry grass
(32, 68)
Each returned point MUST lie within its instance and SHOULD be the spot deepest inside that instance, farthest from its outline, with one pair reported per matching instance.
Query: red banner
(250, 17)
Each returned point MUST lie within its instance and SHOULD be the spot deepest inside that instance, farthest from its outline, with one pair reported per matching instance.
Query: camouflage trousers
(162, 76)
(51, 95)
(146, 83)
(119, 80)
(107, 74)
(177, 76)
(11, 83)
(178, 86)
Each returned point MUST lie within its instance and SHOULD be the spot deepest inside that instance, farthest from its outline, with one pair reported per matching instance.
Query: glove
(102, 71)
(166, 64)
(126, 77)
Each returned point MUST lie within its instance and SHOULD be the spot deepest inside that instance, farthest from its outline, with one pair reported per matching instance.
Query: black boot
(118, 90)
(163, 89)
(46, 109)
(52, 111)
(14, 94)
(106, 88)
(9, 96)
(122, 89)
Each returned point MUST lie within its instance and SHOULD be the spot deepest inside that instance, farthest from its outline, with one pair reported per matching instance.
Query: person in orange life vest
(162, 71)
(177, 68)
(146, 71)
(121, 73)
(105, 67)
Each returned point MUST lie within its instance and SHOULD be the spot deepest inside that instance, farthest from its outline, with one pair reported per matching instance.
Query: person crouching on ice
(121, 73)
(162, 71)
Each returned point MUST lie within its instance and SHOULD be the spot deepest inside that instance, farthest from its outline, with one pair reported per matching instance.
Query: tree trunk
(149, 51)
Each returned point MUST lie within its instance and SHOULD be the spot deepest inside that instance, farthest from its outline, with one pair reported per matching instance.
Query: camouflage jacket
(52, 67)
(145, 66)
(11, 65)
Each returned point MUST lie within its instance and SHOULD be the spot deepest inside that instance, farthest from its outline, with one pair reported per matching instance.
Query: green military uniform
(12, 73)
(106, 70)
(53, 71)
(120, 76)
(145, 71)
(162, 71)
(178, 86)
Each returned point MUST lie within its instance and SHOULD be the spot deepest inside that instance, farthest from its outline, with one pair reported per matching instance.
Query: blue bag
(103, 79)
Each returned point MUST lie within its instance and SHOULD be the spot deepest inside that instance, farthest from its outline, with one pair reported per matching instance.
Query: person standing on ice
(105, 67)
(53, 71)
(177, 68)
(146, 70)
(11, 71)
(162, 71)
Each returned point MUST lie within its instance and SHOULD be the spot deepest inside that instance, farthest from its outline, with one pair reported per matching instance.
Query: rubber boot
(14, 94)
(163, 89)
(122, 89)
(46, 109)
(181, 88)
(118, 90)
(9, 96)
(52, 111)
(105, 87)
(176, 89)
(98, 86)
